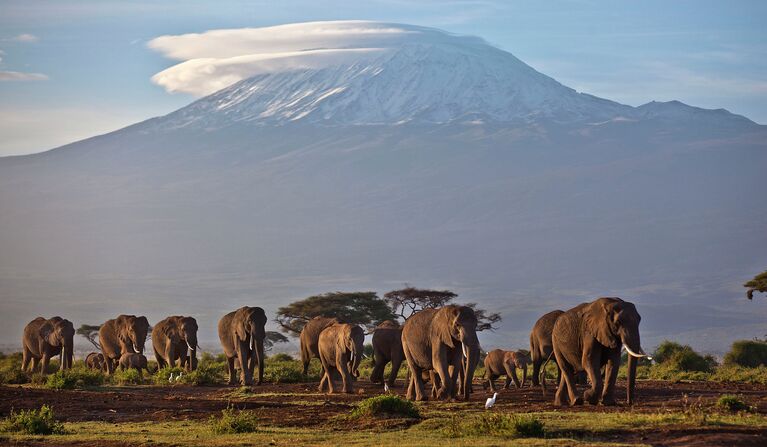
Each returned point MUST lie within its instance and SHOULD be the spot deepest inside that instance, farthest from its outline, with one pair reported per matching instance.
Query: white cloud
(19, 76)
(215, 59)
(26, 38)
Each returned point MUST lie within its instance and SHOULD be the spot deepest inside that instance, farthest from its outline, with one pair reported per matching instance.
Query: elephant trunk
(631, 379)
(191, 343)
(472, 359)
(67, 352)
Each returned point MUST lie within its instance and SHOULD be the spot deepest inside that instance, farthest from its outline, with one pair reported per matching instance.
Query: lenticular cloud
(216, 59)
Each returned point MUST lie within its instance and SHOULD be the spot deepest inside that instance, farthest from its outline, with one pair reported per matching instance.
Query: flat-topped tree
(90, 333)
(362, 308)
(758, 284)
(410, 300)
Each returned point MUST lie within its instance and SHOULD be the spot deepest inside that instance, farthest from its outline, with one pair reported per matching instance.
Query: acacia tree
(362, 308)
(758, 284)
(90, 333)
(272, 338)
(406, 302)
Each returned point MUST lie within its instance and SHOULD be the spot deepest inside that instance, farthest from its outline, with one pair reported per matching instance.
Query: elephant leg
(440, 365)
(243, 354)
(491, 381)
(567, 383)
(26, 356)
(514, 377)
(417, 379)
(591, 362)
(232, 375)
(160, 360)
(346, 377)
(44, 363)
(379, 362)
(409, 392)
(435, 383)
(396, 362)
(611, 373)
(536, 372)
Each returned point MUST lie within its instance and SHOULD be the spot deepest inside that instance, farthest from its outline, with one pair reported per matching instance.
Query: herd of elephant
(439, 345)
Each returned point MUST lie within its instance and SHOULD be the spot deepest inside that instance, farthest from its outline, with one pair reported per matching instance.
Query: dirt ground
(301, 405)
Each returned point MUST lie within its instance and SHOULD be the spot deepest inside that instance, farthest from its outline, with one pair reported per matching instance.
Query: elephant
(499, 362)
(43, 339)
(387, 347)
(95, 360)
(540, 343)
(133, 360)
(340, 347)
(242, 334)
(310, 336)
(439, 339)
(124, 334)
(171, 338)
(589, 337)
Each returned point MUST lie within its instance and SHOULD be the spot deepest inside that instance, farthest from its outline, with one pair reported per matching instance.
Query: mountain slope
(439, 161)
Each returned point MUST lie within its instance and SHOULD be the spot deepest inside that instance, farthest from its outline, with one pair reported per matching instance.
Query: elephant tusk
(463, 348)
(190, 346)
(634, 354)
(135, 348)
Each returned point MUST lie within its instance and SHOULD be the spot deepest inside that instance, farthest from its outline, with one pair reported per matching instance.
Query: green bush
(281, 357)
(748, 353)
(234, 421)
(10, 369)
(734, 373)
(732, 403)
(79, 377)
(33, 422)
(205, 374)
(683, 358)
(386, 406)
(127, 377)
(499, 425)
(290, 371)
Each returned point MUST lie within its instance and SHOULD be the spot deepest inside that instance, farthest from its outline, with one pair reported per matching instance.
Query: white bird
(170, 379)
(178, 377)
(386, 387)
(491, 401)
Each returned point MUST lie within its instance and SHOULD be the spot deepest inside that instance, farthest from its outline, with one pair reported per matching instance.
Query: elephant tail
(534, 353)
(543, 373)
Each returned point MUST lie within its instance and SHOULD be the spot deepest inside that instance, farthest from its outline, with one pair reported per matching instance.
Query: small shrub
(499, 425)
(234, 421)
(683, 358)
(205, 374)
(732, 403)
(748, 353)
(386, 406)
(162, 376)
(127, 377)
(735, 373)
(79, 377)
(33, 422)
(282, 357)
(10, 369)
(666, 350)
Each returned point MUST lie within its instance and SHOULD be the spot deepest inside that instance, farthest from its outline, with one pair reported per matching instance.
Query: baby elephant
(499, 362)
(95, 360)
(133, 360)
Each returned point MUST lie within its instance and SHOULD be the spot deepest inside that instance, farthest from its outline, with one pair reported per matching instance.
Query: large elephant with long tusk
(175, 338)
(124, 334)
(589, 337)
(242, 334)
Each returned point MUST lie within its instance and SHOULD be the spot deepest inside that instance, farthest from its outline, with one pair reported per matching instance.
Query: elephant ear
(596, 318)
(239, 326)
(45, 331)
(442, 324)
(342, 334)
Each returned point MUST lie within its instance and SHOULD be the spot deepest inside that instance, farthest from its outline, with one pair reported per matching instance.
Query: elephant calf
(499, 362)
(133, 360)
(340, 347)
(95, 360)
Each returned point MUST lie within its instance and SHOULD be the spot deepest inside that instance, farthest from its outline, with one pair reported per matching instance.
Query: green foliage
(234, 421)
(290, 371)
(758, 284)
(732, 403)
(128, 376)
(10, 370)
(497, 424)
(683, 358)
(386, 406)
(281, 358)
(78, 377)
(363, 308)
(748, 353)
(735, 373)
(162, 375)
(206, 374)
(33, 422)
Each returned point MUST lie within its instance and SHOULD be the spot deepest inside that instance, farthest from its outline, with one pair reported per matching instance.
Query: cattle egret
(178, 377)
(386, 387)
(170, 379)
(491, 401)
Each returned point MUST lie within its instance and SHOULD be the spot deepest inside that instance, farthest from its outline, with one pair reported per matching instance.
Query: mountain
(424, 158)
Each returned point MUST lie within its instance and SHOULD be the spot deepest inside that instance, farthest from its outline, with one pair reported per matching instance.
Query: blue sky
(69, 70)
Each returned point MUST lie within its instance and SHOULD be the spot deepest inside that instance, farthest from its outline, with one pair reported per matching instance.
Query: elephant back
(310, 333)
